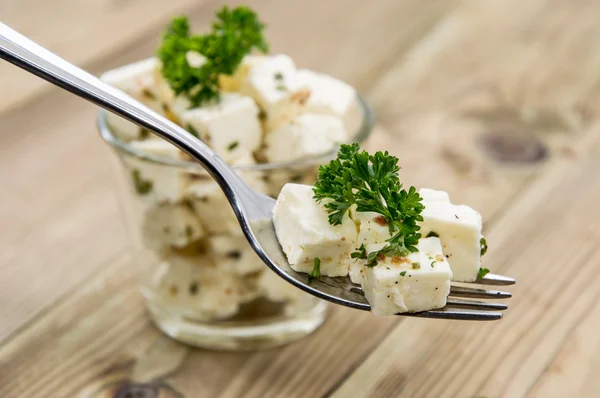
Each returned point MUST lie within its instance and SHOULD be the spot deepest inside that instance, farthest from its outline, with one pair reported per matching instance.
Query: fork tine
(460, 291)
(475, 305)
(457, 314)
(495, 280)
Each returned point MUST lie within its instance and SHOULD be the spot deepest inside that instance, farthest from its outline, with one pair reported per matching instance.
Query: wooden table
(495, 101)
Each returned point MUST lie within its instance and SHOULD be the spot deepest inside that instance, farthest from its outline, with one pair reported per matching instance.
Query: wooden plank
(557, 234)
(573, 371)
(492, 187)
(82, 32)
(57, 154)
(61, 207)
(99, 340)
(98, 29)
(489, 83)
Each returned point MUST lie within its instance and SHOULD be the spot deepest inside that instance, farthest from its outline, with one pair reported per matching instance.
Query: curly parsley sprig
(371, 183)
(235, 34)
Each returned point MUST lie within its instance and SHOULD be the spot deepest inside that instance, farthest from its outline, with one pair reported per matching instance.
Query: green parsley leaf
(484, 246)
(235, 33)
(192, 130)
(143, 187)
(482, 272)
(233, 145)
(316, 271)
(144, 133)
(416, 265)
(189, 231)
(402, 273)
(371, 183)
(360, 253)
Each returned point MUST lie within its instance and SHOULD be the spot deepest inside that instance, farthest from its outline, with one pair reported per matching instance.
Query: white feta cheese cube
(308, 134)
(334, 97)
(159, 182)
(233, 83)
(138, 80)
(254, 178)
(275, 289)
(171, 226)
(234, 254)
(210, 203)
(372, 228)
(195, 288)
(274, 84)
(175, 109)
(418, 282)
(431, 195)
(459, 229)
(356, 272)
(304, 232)
(212, 208)
(230, 127)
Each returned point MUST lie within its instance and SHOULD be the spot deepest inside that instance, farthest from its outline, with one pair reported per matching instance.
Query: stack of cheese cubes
(448, 250)
(268, 111)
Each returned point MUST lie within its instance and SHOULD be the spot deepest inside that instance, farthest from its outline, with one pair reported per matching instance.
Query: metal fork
(253, 209)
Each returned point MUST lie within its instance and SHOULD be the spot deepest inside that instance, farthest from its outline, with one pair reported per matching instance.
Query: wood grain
(496, 106)
(555, 261)
(82, 32)
(487, 83)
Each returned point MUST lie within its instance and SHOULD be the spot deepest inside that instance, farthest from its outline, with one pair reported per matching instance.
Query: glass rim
(123, 146)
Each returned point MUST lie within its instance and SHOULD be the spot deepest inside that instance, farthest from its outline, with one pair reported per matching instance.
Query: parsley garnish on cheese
(143, 187)
(371, 183)
(235, 34)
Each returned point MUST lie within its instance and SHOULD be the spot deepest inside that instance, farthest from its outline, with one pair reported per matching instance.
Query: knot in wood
(513, 147)
(131, 390)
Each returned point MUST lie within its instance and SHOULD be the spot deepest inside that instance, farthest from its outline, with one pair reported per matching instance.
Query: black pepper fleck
(234, 254)
(194, 288)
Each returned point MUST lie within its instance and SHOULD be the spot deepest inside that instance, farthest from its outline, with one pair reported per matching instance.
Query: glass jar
(202, 282)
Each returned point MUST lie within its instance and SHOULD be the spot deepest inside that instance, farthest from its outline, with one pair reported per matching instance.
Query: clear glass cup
(202, 282)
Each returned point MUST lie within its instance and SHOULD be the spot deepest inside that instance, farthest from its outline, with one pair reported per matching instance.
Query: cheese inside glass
(202, 283)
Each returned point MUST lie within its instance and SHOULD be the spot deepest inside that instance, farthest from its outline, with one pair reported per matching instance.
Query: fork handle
(30, 56)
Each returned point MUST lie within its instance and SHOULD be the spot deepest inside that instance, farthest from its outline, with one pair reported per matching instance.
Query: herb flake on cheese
(482, 272)
(316, 271)
(142, 187)
(484, 246)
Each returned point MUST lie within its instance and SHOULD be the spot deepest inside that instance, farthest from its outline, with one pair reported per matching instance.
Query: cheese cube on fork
(459, 229)
(417, 282)
(304, 232)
